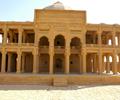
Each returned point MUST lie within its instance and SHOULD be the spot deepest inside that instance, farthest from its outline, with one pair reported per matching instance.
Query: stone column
(114, 62)
(51, 63)
(80, 63)
(119, 40)
(113, 39)
(100, 62)
(84, 61)
(99, 39)
(18, 62)
(36, 35)
(103, 64)
(20, 36)
(23, 62)
(67, 55)
(95, 64)
(51, 54)
(3, 61)
(5, 35)
(9, 62)
(67, 63)
(24, 35)
(35, 65)
(119, 65)
(108, 64)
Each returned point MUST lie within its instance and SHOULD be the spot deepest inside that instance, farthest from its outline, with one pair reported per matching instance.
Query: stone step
(59, 81)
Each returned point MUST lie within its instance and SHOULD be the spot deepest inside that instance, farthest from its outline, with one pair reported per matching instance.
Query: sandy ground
(37, 92)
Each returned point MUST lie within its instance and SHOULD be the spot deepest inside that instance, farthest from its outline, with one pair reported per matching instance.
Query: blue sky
(98, 11)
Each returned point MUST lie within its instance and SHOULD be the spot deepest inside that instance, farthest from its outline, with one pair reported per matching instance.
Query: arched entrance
(59, 45)
(75, 57)
(59, 63)
(43, 55)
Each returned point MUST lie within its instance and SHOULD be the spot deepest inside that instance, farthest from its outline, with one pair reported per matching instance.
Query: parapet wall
(60, 79)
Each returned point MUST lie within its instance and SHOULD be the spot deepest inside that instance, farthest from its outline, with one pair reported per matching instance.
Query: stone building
(59, 41)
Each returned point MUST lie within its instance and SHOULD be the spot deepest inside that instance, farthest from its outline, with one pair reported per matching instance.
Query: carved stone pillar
(51, 63)
(67, 65)
(108, 64)
(95, 63)
(18, 62)
(100, 62)
(84, 54)
(51, 54)
(9, 62)
(5, 35)
(23, 63)
(114, 62)
(80, 62)
(3, 61)
(113, 39)
(20, 36)
(35, 65)
(67, 55)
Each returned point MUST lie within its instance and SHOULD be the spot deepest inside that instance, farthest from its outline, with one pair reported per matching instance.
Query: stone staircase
(60, 81)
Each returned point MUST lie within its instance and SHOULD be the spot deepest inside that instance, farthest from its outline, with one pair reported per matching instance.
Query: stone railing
(92, 45)
(107, 46)
(59, 49)
(27, 44)
(75, 47)
(44, 49)
(12, 44)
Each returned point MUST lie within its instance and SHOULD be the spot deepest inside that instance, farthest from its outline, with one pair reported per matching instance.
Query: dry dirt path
(36, 92)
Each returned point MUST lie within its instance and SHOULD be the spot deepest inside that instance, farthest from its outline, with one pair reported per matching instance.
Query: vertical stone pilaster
(119, 40)
(94, 63)
(114, 62)
(100, 62)
(51, 54)
(113, 39)
(80, 63)
(9, 62)
(5, 35)
(23, 62)
(67, 63)
(3, 61)
(51, 63)
(99, 39)
(108, 64)
(67, 55)
(18, 62)
(35, 63)
(84, 54)
(20, 36)
(35, 60)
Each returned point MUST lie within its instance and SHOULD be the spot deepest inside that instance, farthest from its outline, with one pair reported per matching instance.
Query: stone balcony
(75, 49)
(59, 49)
(27, 44)
(92, 45)
(107, 46)
(44, 49)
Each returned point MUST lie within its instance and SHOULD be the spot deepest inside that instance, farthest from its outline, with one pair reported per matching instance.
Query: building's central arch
(59, 63)
(59, 45)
